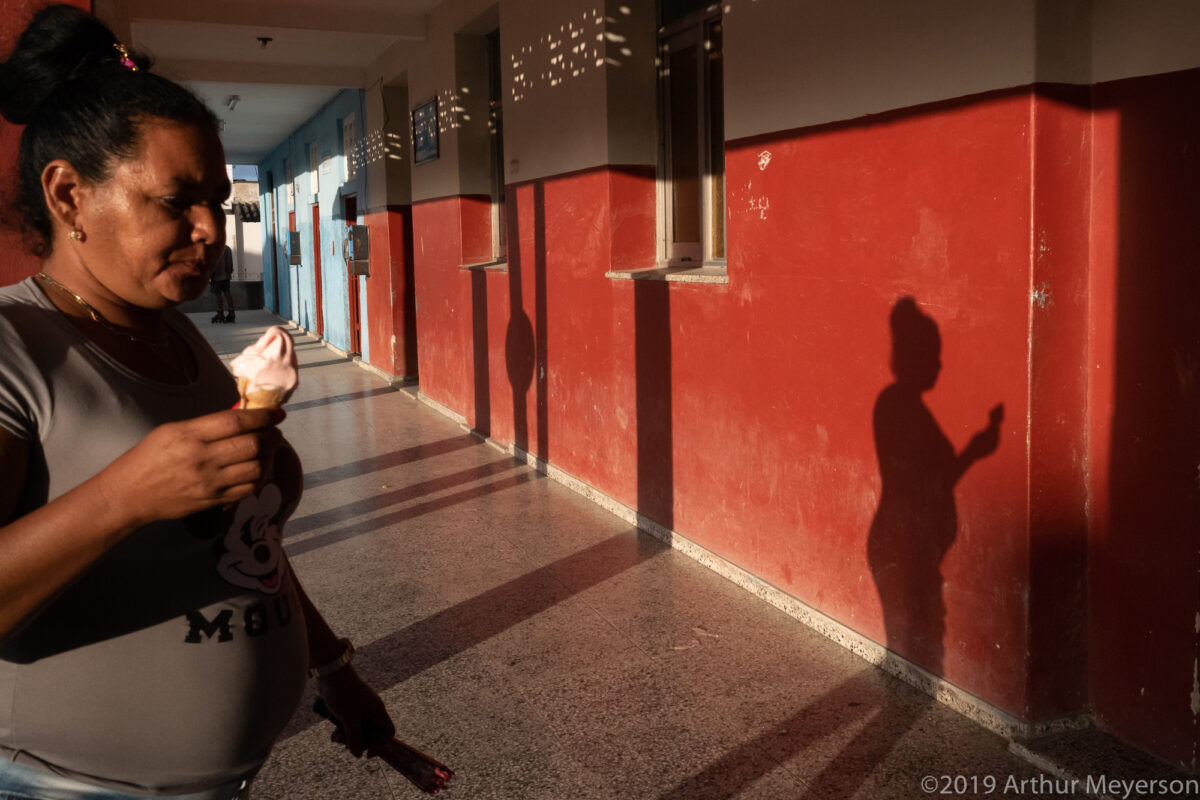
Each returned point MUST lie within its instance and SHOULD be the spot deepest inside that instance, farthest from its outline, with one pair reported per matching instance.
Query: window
(692, 122)
(496, 131)
(291, 182)
(349, 156)
(314, 166)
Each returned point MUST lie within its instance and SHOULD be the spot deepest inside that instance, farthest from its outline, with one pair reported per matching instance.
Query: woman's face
(155, 228)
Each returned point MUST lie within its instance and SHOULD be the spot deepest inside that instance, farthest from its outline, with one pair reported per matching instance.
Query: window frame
(349, 137)
(495, 68)
(691, 30)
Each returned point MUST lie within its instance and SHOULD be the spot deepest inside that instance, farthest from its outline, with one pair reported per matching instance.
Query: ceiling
(316, 49)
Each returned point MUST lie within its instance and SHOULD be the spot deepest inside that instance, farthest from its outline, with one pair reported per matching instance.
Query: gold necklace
(170, 359)
(99, 318)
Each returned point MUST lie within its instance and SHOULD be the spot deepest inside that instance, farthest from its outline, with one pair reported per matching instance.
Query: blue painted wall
(296, 289)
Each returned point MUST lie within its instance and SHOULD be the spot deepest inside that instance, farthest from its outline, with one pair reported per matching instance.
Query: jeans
(22, 782)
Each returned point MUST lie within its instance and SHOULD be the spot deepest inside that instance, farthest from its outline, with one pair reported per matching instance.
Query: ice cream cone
(261, 397)
(266, 371)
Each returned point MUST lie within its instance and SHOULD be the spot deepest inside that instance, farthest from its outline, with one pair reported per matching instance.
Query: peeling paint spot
(1043, 248)
(764, 158)
(1041, 297)
(761, 205)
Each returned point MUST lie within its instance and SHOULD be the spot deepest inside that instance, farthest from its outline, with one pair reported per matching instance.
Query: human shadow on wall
(479, 353)
(917, 519)
(525, 339)
(914, 527)
(655, 423)
(519, 345)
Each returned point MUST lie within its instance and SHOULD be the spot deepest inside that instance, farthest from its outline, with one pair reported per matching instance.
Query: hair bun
(60, 42)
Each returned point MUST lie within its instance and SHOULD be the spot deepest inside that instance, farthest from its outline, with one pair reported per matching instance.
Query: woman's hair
(916, 343)
(73, 86)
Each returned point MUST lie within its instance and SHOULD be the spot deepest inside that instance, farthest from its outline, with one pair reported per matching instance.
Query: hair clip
(125, 61)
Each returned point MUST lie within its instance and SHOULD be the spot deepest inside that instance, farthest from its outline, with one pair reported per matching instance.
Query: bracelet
(333, 666)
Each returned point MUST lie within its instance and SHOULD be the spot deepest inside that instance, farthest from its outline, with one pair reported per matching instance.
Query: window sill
(709, 273)
(486, 266)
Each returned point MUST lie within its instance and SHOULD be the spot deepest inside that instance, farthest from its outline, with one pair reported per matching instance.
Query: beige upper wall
(431, 73)
(389, 179)
(579, 83)
(795, 63)
(554, 110)
(1144, 37)
(632, 83)
(578, 89)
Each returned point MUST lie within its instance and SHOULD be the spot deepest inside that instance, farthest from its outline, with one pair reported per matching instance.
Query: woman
(140, 653)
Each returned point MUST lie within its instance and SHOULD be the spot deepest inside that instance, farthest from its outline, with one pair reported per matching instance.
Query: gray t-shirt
(172, 664)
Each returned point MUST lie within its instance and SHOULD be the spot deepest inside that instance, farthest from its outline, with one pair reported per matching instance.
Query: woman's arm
(982, 444)
(361, 714)
(177, 469)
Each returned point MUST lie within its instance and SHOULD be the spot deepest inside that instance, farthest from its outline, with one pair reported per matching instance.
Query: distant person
(222, 275)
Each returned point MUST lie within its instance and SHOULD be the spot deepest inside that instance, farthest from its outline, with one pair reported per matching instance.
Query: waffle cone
(261, 397)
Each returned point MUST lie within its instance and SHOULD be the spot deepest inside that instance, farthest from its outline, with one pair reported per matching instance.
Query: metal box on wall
(356, 249)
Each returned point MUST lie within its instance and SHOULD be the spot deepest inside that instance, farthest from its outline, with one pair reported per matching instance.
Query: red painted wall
(390, 297)
(741, 415)
(443, 306)
(16, 264)
(1144, 559)
(1050, 246)
(933, 203)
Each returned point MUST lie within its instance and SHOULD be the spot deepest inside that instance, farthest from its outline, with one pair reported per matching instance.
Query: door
(316, 227)
(352, 284)
(295, 293)
(274, 241)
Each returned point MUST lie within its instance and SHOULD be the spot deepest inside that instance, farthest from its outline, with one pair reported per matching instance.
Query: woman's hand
(362, 717)
(183, 467)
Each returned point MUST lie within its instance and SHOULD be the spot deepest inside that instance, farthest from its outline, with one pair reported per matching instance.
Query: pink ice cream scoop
(267, 371)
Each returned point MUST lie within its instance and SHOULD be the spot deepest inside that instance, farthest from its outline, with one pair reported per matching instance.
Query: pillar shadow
(411, 366)
(376, 524)
(541, 349)
(917, 519)
(387, 460)
(340, 398)
(860, 697)
(411, 650)
(479, 353)
(518, 344)
(652, 369)
(1144, 551)
(348, 511)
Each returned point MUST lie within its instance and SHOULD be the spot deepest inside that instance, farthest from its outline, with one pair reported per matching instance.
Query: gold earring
(76, 236)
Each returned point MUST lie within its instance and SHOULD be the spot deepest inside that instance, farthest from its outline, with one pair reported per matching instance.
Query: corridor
(544, 649)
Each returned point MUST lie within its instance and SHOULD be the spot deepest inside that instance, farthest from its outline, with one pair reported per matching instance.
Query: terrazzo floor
(544, 649)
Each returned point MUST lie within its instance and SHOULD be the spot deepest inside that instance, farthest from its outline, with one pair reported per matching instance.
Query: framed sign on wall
(425, 132)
